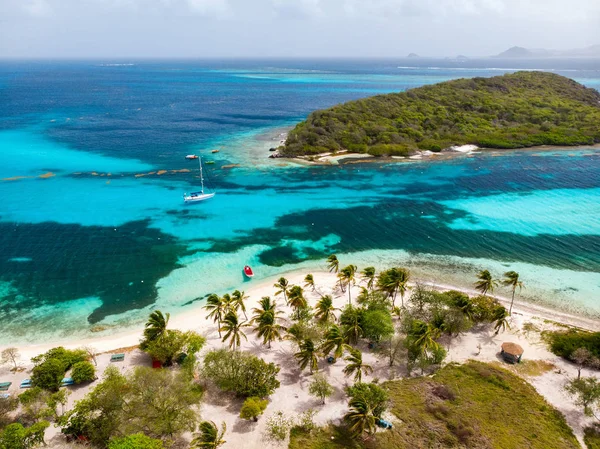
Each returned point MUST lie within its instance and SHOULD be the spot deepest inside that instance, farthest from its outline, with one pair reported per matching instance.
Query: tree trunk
(511, 301)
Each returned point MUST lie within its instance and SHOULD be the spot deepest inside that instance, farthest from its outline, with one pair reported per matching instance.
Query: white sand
(292, 397)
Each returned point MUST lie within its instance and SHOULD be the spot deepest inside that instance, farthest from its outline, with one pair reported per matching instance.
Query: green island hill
(518, 110)
(474, 405)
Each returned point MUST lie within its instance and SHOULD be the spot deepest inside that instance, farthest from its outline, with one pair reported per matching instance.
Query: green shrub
(83, 372)
(253, 408)
(135, 441)
(591, 437)
(564, 343)
(241, 373)
(51, 366)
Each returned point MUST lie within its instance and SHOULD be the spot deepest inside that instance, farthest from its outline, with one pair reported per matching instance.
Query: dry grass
(528, 368)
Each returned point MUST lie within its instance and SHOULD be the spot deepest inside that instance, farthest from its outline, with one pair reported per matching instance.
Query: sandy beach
(292, 397)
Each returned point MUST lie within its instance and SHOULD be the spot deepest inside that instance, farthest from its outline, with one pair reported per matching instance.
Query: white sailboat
(198, 196)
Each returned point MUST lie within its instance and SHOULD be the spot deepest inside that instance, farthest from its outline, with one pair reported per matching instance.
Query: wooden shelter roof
(512, 348)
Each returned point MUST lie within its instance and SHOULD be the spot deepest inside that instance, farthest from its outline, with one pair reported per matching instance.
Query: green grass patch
(591, 437)
(475, 405)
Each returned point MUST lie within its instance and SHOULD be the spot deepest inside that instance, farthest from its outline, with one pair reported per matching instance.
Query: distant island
(522, 109)
(521, 52)
(413, 55)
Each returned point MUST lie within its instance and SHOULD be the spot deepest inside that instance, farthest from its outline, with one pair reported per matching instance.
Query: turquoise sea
(94, 232)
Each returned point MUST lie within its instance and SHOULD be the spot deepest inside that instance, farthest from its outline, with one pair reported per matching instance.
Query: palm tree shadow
(244, 426)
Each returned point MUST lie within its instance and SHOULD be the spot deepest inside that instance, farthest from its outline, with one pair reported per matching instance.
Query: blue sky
(294, 28)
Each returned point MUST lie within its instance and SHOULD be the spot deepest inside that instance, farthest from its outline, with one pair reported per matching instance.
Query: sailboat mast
(201, 177)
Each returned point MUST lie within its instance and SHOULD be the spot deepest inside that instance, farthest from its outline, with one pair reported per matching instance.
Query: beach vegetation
(172, 343)
(309, 282)
(7, 406)
(233, 328)
(241, 373)
(485, 282)
(156, 326)
(586, 391)
(517, 110)
(377, 324)
(10, 355)
(16, 436)
(356, 365)
(252, 408)
(297, 301)
(591, 437)
(265, 320)
(512, 280)
(347, 278)
(83, 372)
(368, 275)
(209, 436)
(394, 281)
(333, 264)
(564, 343)
(351, 321)
(282, 287)
(216, 308)
(278, 426)
(320, 387)
(307, 355)
(136, 441)
(37, 404)
(324, 309)
(367, 403)
(239, 303)
(334, 342)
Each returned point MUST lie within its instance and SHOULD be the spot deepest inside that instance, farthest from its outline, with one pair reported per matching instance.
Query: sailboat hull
(196, 198)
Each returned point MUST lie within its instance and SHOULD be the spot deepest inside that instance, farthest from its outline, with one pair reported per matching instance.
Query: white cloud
(37, 8)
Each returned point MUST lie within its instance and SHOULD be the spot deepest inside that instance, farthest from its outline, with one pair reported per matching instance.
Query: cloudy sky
(295, 28)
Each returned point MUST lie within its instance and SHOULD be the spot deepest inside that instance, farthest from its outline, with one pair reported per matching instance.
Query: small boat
(214, 151)
(198, 196)
(209, 162)
(248, 271)
(191, 156)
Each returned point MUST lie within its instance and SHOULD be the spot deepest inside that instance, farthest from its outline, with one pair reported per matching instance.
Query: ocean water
(94, 232)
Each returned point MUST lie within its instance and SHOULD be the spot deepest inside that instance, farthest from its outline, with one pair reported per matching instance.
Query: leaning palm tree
(233, 329)
(356, 366)
(307, 356)
(266, 321)
(424, 335)
(296, 299)
(156, 326)
(216, 308)
(393, 281)
(209, 436)
(325, 309)
(500, 318)
(368, 276)
(238, 301)
(511, 279)
(360, 418)
(268, 329)
(335, 341)
(333, 263)
(282, 286)
(486, 282)
(309, 281)
(228, 302)
(351, 322)
(348, 277)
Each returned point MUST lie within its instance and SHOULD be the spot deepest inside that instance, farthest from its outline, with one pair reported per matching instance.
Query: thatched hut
(511, 352)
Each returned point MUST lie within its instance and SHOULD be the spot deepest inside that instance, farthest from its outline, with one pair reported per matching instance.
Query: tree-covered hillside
(511, 111)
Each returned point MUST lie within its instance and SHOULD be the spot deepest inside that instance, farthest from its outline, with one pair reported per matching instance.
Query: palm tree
(511, 279)
(333, 263)
(233, 329)
(266, 319)
(296, 299)
(282, 287)
(309, 281)
(238, 301)
(347, 276)
(334, 341)
(360, 418)
(228, 302)
(393, 281)
(356, 366)
(307, 356)
(485, 283)
(501, 319)
(216, 307)
(156, 326)
(325, 309)
(465, 305)
(350, 320)
(424, 335)
(209, 437)
(368, 275)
